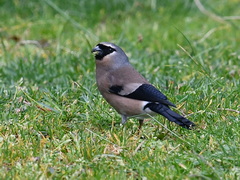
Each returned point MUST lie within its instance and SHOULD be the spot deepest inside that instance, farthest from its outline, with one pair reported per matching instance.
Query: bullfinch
(127, 91)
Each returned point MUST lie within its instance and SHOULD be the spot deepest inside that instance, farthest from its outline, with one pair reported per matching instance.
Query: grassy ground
(54, 124)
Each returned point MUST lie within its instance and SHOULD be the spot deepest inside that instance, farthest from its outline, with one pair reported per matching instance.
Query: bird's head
(106, 51)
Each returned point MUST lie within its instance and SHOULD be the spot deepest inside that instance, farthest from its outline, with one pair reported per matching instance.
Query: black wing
(145, 92)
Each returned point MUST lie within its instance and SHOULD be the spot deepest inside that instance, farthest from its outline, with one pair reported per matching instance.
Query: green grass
(54, 124)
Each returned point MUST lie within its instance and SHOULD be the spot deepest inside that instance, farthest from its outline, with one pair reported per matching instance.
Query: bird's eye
(102, 51)
(108, 50)
(111, 50)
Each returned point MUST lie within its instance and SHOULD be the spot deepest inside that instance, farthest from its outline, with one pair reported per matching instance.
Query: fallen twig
(138, 147)
(227, 109)
(208, 13)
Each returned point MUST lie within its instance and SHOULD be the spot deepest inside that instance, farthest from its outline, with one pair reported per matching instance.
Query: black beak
(96, 50)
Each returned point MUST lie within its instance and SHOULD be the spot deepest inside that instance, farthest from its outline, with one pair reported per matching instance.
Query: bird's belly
(128, 107)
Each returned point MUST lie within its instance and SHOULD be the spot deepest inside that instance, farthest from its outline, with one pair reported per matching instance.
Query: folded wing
(144, 92)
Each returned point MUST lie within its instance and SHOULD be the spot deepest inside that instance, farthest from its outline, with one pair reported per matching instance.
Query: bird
(127, 91)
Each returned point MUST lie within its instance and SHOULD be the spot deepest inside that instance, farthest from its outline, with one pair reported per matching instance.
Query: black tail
(170, 115)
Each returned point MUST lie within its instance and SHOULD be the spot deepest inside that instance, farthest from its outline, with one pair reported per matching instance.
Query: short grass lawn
(54, 124)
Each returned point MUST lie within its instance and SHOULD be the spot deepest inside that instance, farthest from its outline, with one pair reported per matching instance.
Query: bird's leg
(124, 119)
(140, 124)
